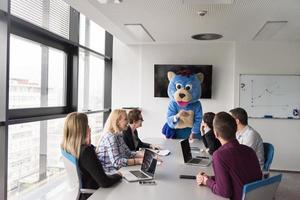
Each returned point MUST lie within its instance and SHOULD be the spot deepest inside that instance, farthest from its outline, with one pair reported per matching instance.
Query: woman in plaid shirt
(112, 150)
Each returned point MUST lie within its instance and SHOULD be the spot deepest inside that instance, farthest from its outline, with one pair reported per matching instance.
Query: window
(37, 75)
(53, 15)
(91, 82)
(91, 35)
(49, 77)
(96, 125)
(33, 155)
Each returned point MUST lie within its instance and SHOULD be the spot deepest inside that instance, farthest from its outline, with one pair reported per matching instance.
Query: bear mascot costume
(184, 114)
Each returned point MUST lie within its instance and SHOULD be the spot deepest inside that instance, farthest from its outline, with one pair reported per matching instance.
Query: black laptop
(187, 155)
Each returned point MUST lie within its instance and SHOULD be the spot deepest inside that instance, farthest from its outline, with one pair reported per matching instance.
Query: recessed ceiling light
(202, 13)
(207, 36)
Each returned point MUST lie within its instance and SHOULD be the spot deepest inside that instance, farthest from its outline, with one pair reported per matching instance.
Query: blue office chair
(74, 178)
(269, 154)
(264, 189)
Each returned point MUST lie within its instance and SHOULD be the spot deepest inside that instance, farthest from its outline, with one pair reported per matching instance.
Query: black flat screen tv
(161, 80)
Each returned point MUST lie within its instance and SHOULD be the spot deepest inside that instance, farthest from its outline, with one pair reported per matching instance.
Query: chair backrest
(71, 166)
(269, 153)
(263, 189)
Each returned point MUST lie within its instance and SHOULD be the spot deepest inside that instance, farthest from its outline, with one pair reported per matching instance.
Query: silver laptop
(187, 155)
(147, 169)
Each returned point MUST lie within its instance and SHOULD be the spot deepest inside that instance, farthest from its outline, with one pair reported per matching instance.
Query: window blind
(53, 15)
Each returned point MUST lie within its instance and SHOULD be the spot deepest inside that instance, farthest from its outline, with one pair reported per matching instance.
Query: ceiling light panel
(269, 30)
(140, 32)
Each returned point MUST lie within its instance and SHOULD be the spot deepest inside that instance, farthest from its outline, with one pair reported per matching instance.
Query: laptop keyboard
(139, 174)
(195, 161)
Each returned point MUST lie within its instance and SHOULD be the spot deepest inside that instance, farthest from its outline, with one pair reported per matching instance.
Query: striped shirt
(113, 152)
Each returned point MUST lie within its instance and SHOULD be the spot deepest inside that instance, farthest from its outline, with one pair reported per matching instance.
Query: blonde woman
(112, 150)
(77, 141)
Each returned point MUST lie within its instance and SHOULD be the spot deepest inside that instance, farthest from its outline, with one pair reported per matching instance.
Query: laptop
(187, 155)
(147, 168)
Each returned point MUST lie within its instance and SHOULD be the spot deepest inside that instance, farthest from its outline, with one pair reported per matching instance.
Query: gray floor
(289, 188)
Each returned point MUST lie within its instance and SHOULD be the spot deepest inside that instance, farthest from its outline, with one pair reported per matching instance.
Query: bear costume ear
(200, 76)
(171, 75)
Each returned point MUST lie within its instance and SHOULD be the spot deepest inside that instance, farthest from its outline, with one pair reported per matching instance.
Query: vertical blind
(53, 15)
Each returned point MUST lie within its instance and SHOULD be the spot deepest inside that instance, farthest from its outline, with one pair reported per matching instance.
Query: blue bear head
(184, 89)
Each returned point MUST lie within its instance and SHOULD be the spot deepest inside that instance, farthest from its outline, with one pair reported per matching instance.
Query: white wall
(126, 75)
(273, 58)
(219, 55)
(133, 77)
(136, 66)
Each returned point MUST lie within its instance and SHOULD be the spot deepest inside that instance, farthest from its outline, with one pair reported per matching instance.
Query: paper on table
(162, 152)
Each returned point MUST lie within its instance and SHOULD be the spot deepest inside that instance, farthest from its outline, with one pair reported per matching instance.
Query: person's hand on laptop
(139, 154)
(118, 172)
(137, 161)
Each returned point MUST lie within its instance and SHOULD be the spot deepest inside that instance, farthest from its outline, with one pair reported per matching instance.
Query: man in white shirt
(247, 135)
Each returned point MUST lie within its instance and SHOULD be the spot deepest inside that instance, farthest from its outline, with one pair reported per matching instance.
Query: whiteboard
(270, 96)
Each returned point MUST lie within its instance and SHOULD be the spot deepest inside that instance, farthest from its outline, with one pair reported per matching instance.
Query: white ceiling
(172, 21)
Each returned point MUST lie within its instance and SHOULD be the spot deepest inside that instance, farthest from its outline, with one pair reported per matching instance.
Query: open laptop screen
(186, 150)
(149, 163)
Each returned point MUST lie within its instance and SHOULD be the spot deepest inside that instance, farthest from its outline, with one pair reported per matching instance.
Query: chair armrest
(87, 191)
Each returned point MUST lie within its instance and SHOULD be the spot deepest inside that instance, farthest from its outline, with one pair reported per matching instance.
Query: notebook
(147, 168)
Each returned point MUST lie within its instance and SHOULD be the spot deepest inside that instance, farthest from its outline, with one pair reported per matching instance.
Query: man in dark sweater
(234, 164)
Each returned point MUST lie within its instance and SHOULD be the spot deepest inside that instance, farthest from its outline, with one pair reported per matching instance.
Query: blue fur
(184, 80)
(169, 129)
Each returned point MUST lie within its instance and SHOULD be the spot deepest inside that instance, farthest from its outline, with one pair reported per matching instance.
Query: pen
(203, 157)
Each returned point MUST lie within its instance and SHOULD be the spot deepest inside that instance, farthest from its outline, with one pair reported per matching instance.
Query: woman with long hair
(77, 141)
(112, 150)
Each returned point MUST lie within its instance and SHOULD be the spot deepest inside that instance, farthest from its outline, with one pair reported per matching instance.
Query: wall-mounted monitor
(161, 80)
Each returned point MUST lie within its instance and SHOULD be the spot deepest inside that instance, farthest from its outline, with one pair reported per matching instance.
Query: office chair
(263, 189)
(74, 179)
(269, 153)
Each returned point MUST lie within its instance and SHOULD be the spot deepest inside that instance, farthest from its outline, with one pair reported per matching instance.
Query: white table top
(168, 186)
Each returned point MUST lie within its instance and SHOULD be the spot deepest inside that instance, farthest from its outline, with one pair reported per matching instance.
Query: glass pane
(91, 82)
(33, 157)
(57, 77)
(96, 125)
(25, 73)
(91, 35)
(37, 76)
